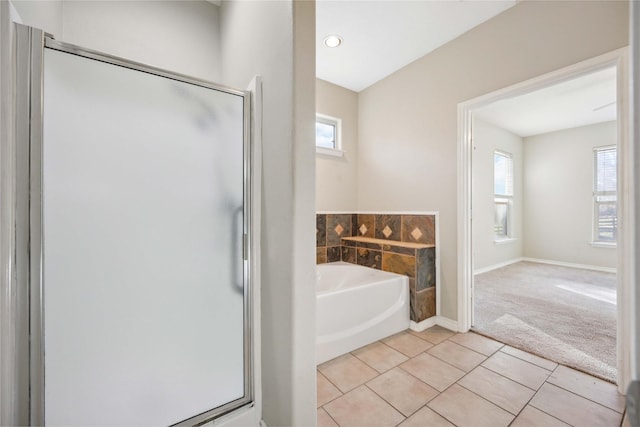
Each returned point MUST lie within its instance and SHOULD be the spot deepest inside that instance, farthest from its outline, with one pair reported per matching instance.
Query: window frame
(503, 199)
(337, 151)
(596, 240)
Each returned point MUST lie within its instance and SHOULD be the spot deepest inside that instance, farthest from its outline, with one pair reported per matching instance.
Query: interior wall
(635, 240)
(336, 177)
(180, 36)
(10, 377)
(488, 138)
(42, 14)
(257, 39)
(175, 35)
(558, 188)
(408, 121)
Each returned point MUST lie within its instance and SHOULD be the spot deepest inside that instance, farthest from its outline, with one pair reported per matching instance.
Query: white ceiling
(382, 36)
(581, 101)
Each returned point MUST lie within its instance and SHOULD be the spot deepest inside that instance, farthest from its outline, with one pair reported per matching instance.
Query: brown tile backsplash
(321, 255)
(369, 258)
(334, 253)
(338, 226)
(403, 251)
(321, 230)
(423, 304)
(366, 225)
(418, 229)
(349, 254)
(426, 268)
(400, 264)
(388, 227)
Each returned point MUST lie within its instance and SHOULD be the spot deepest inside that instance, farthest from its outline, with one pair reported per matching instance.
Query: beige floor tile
(457, 355)
(531, 358)
(517, 369)
(464, 408)
(407, 344)
(362, 407)
(380, 356)
(403, 391)
(573, 409)
(324, 419)
(326, 391)
(347, 372)
(532, 417)
(432, 371)
(589, 387)
(426, 417)
(435, 334)
(507, 394)
(477, 343)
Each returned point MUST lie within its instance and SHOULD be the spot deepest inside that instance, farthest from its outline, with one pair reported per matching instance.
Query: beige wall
(175, 35)
(408, 121)
(558, 188)
(276, 39)
(336, 177)
(488, 138)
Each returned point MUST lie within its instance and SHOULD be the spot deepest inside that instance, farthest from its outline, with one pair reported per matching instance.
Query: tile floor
(438, 378)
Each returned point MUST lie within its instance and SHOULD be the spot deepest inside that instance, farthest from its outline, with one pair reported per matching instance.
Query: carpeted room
(545, 193)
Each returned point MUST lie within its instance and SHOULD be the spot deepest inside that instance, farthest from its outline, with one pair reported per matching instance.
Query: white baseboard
(445, 322)
(425, 324)
(496, 266)
(569, 264)
(544, 261)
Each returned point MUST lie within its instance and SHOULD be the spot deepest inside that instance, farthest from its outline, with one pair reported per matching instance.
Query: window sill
(330, 152)
(604, 245)
(506, 240)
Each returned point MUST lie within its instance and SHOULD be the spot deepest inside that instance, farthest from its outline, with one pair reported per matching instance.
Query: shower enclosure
(132, 240)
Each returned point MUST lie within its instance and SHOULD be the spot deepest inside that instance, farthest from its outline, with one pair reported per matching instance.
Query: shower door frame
(29, 257)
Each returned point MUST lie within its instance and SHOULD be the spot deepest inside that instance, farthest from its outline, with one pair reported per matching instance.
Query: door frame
(625, 252)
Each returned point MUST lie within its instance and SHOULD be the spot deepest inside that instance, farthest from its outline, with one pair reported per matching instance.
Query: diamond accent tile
(387, 232)
(416, 233)
(339, 229)
(363, 229)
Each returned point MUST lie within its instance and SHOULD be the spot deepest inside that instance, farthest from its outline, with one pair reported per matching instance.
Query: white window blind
(503, 194)
(503, 174)
(605, 198)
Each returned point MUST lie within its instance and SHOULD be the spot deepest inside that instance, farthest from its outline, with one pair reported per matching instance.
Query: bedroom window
(605, 198)
(503, 194)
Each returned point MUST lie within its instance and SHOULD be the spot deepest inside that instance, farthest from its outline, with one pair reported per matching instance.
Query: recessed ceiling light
(332, 40)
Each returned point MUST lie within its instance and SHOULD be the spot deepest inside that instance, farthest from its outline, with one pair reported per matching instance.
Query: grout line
(388, 403)
(545, 412)
(330, 416)
(482, 336)
(585, 398)
(487, 400)
(532, 363)
(332, 383)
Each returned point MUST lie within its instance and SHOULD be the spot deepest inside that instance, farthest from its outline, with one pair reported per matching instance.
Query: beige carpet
(564, 314)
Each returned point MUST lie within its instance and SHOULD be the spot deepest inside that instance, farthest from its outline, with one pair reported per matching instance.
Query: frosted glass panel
(143, 223)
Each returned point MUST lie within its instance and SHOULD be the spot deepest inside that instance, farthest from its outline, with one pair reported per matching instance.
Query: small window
(605, 198)
(503, 194)
(328, 135)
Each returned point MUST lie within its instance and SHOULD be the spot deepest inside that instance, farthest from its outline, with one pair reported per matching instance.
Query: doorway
(506, 223)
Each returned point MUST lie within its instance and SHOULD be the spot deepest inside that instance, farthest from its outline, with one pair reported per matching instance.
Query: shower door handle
(237, 281)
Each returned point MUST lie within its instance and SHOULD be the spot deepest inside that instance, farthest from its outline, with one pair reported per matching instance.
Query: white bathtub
(356, 306)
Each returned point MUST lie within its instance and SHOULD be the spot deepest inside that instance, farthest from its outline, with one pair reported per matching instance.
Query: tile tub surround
(398, 243)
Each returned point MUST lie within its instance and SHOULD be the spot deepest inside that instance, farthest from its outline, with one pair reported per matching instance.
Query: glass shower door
(143, 220)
